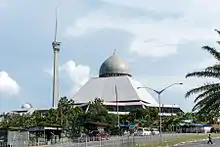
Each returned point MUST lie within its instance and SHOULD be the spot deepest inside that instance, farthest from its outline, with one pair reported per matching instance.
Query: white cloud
(78, 74)
(195, 22)
(170, 6)
(8, 86)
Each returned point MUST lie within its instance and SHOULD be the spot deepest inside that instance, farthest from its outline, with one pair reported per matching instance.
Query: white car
(143, 131)
(155, 131)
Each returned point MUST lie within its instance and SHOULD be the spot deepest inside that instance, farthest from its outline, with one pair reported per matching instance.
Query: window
(123, 108)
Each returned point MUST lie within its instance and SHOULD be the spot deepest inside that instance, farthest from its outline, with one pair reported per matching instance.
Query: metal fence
(15, 139)
(120, 141)
(114, 141)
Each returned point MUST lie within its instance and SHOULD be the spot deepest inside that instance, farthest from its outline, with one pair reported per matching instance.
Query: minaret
(56, 50)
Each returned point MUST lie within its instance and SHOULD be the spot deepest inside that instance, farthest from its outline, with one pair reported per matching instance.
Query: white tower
(56, 50)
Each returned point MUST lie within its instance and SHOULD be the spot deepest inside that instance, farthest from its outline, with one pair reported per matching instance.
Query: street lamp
(172, 127)
(159, 99)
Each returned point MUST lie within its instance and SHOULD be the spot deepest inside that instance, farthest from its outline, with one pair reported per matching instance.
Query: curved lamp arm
(149, 88)
(169, 87)
(161, 91)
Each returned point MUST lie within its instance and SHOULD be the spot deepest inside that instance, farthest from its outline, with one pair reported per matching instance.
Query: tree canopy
(72, 118)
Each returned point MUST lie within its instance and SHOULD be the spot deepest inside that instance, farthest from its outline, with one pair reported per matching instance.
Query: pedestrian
(210, 139)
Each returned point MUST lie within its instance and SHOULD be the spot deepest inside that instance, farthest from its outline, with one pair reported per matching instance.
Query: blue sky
(160, 41)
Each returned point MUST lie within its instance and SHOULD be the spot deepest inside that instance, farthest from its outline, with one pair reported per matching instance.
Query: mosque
(116, 87)
(119, 90)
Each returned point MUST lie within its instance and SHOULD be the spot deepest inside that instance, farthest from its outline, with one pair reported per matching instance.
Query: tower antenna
(55, 35)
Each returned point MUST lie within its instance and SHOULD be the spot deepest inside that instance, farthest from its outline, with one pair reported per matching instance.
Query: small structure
(193, 128)
(26, 106)
(44, 135)
(131, 128)
(15, 137)
(128, 126)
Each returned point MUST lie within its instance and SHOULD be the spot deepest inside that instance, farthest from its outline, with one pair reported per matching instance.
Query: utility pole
(117, 107)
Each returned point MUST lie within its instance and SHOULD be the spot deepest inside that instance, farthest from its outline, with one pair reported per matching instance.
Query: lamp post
(117, 108)
(172, 127)
(159, 99)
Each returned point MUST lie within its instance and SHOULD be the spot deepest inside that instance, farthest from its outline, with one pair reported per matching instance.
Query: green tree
(144, 117)
(207, 95)
(75, 121)
(97, 111)
(112, 119)
(51, 118)
(15, 120)
(38, 119)
(25, 120)
(64, 111)
(173, 121)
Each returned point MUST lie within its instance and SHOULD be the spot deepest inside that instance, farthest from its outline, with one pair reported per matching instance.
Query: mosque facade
(118, 89)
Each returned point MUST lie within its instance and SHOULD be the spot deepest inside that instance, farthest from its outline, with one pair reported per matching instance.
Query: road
(216, 143)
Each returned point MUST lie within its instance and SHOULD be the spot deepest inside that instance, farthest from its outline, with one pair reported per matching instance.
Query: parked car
(155, 131)
(97, 135)
(82, 138)
(135, 133)
(143, 131)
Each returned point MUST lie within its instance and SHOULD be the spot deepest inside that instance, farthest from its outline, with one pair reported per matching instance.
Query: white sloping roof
(104, 88)
(142, 93)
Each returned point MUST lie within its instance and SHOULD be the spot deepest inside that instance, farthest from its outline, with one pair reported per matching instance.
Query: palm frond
(209, 103)
(212, 51)
(202, 88)
(215, 68)
(217, 31)
(208, 92)
(206, 74)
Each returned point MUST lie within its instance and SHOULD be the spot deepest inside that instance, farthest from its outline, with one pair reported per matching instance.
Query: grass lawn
(178, 139)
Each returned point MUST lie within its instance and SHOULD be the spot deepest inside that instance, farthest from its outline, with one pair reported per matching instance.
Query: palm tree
(208, 95)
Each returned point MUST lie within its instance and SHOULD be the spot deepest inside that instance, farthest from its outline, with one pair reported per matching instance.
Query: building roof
(114, 66)
(104, 88)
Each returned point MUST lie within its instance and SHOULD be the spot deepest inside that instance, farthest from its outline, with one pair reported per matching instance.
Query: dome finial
(114, 51)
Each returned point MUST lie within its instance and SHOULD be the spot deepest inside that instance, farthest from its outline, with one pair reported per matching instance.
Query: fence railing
(114, 141)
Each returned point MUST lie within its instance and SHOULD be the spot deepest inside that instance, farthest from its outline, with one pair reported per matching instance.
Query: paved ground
(216, 143)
